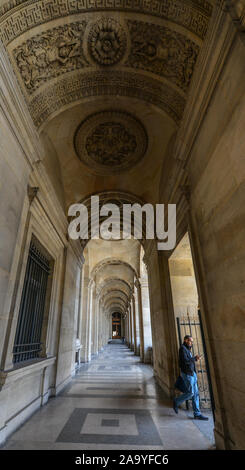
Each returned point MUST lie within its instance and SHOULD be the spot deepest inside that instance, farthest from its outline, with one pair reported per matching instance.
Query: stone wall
(217, 175)
(31, 207)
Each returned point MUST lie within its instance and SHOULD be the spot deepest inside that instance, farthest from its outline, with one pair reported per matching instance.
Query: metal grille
(192, 326)
(27, 344)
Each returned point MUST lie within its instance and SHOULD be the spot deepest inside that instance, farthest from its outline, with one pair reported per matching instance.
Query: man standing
(189, 376)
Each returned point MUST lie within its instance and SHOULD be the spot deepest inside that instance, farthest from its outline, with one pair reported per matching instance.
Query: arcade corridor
(122, 215)
(112, 403)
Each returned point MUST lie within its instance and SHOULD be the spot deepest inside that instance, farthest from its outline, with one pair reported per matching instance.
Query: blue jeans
(192, 393)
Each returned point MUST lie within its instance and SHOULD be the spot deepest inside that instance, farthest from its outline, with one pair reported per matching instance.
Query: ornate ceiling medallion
(107, 42)
(110, 142)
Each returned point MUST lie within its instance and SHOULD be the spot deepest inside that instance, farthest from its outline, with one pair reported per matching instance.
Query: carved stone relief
(163, 52)
(110, 142)
(51, 54)
(72, 48)
(107, 42)
(57, 51)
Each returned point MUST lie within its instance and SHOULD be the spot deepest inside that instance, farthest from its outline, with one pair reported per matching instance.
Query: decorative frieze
(60, 50)
(18, 17)
(113, 83)
(70, 49)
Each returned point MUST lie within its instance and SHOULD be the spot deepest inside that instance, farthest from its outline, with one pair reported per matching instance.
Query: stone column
(89, 337)
(131, 327)
(123, 325)
(79, 317)
(163, 336)
(84, 306)
(110, 325)
(146, 315)
(107, 329)
(141, 328)
(99, 325)
(136, 304)
(68, 327)
(104, 327)
(94, 323)
(134, 323)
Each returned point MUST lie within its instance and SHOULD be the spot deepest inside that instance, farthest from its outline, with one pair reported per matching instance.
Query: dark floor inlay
(136, 427)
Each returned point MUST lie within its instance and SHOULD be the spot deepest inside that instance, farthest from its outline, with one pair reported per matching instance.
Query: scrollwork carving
(162, 51)
(50, 54)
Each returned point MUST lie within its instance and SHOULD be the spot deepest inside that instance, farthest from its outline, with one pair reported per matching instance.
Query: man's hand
(197, 357)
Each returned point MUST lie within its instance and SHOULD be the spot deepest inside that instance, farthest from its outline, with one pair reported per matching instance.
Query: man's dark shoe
(175, 407)
(203, 418)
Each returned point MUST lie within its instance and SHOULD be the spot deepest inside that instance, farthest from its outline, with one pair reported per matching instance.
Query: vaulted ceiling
(106, 82)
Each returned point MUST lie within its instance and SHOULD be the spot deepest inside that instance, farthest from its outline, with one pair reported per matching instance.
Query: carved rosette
(110, 142)
(107, 42)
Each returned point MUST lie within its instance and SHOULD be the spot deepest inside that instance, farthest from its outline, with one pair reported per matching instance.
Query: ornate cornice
(18, 17)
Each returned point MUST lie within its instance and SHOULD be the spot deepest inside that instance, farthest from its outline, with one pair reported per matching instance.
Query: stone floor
(112, 403)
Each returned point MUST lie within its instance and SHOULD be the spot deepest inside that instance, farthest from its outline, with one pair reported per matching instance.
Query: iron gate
(192, 325)
(27, 344)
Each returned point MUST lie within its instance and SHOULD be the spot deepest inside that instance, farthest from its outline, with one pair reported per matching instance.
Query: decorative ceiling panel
(110, 142)
(58, 62)
(18, 17)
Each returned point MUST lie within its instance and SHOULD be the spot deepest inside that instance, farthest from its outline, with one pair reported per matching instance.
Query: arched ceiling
(113, 267)
(108, 257)
(64, 50)
(106, 82)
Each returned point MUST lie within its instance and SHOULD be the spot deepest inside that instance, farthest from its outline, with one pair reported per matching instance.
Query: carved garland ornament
(110, 142)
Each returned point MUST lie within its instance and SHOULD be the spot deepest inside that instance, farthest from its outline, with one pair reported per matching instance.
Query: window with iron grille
(27, 344)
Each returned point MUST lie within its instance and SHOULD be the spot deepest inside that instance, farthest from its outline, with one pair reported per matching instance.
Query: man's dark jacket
(186, 360)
